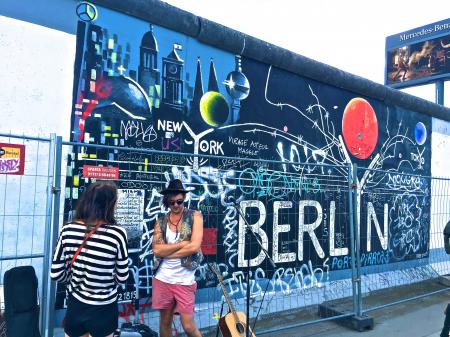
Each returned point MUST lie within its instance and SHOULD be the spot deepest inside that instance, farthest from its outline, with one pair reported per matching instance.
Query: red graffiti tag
(103, 90)
(127, 311)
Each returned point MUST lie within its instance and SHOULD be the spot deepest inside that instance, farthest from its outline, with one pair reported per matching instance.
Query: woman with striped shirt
(91, 256)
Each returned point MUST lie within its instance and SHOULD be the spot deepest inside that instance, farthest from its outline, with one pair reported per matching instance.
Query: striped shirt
(101, 265)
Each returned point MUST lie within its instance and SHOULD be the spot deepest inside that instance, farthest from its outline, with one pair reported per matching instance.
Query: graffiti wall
(274, 143)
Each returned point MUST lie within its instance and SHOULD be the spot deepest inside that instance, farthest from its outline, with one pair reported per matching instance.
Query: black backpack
(21, 302)
(136, 330)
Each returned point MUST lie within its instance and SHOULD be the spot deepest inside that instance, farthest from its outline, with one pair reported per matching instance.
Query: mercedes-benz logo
(86, 11)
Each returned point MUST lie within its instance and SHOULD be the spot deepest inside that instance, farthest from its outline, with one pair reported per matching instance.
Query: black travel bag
(21, 302)
(136, 329)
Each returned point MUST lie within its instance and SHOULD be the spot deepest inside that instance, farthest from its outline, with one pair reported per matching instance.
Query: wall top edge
(225, 38)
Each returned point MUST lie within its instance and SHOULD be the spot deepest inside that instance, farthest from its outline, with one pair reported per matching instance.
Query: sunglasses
(178, 202)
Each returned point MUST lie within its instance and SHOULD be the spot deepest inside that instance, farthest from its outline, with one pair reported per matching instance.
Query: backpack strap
(83, 244)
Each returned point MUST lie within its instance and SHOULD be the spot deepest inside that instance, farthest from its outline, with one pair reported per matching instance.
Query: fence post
(356, 226)
(351, 191)
(51, 234)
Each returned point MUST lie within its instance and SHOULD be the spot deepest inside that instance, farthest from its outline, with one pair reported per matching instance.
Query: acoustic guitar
(232, 324)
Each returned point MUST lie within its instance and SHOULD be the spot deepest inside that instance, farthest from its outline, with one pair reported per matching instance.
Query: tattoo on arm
(158, 235)
(159, 240)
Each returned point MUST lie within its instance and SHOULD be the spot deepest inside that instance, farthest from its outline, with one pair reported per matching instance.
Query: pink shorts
(178, 297)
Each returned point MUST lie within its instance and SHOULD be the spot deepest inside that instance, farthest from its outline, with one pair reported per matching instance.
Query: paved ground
(421, 318)
(418, 318)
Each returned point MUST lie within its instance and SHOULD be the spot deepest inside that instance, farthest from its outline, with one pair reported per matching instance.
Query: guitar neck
(222, 285)
(227, 297)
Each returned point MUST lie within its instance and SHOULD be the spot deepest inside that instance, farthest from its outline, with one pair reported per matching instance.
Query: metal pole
(351, 191)
(48, 224)
(247, 279)
(51, 234)
(440, 92)
(356, 199)
(54, 233)
(247, 323)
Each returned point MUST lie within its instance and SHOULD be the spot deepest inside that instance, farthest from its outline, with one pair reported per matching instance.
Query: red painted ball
(360, 128)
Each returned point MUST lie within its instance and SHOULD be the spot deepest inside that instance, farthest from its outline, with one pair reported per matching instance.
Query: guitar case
(21, 302)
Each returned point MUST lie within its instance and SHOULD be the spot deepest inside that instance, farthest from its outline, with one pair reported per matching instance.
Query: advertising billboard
(418, 56)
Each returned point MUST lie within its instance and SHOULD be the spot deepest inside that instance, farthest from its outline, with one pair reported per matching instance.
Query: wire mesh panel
(24, 212)
(299, 213)
(402, 217)
(439, 218)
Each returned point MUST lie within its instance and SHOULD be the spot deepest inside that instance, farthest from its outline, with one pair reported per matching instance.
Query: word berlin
(303, 228)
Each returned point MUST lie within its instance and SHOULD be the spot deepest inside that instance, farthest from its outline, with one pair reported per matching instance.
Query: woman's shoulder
(70, 225)
(117, 229)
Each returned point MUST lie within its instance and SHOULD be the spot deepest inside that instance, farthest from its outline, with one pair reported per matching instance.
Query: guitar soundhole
(240, 328)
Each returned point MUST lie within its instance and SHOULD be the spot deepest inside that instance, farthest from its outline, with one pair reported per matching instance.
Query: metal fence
(335, 233)
(410, 227)
(26, 213)
(265, 190)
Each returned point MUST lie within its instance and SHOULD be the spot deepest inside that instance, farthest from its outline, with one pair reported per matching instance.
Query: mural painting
(277, 144)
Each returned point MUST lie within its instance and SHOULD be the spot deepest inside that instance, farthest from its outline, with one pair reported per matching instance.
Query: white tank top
(171, 271)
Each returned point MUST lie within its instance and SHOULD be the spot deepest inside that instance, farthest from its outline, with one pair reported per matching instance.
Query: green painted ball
(214, 108)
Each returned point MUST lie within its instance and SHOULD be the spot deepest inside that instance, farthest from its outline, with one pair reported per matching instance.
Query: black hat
(175, 186)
